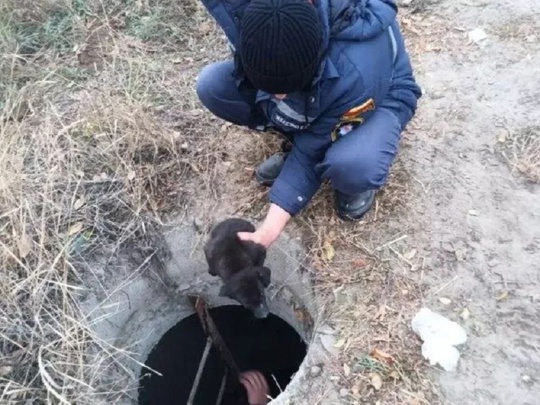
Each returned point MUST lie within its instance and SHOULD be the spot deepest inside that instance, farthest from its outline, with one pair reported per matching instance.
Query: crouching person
(333, 78)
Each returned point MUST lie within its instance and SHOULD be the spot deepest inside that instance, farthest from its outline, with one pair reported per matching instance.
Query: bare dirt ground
(102, 140)
(480, 212)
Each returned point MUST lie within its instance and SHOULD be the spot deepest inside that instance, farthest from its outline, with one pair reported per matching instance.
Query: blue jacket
(365, 59)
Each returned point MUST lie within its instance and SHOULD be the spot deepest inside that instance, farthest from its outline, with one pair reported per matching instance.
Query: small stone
(315, 371)
(493, 263)
(343, 392)
(436, 95)
(445, 301)
(5, 370)
(526, 378)
(198, 224)
(410, 254)
(328, 343)
(461, 254)
(376, 381)
(448, 247)
(502, 296)
(183, 287)
(346, 370)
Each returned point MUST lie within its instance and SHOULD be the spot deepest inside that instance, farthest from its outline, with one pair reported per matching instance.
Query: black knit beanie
(280, 44)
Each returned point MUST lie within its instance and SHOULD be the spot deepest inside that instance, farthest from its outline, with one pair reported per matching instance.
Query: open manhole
(271, 346)
(150, 314)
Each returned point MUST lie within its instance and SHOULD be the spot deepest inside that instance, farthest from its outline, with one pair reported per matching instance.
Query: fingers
(253, 380)
(256, 387)
(249, 379)
(254, 237)
(260, 380)
(246, 236)
(245, 380)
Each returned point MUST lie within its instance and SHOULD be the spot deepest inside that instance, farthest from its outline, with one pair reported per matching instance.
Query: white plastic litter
(477, 35)
(440, 336)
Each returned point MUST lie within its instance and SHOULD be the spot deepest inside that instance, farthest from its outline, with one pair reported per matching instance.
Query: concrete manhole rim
(143, 301)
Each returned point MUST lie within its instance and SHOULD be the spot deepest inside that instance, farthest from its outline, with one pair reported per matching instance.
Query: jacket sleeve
(402, 98)
(298, 181)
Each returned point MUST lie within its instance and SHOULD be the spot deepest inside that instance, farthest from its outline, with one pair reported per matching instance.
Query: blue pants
(358, 162)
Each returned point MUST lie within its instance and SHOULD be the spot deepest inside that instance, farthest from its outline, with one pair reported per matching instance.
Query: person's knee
(356, 174)
(210, 86)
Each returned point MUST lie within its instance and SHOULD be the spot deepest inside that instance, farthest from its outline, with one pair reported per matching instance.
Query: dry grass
(524, 29)
(101, 137)
(98, 143)
(522, 152)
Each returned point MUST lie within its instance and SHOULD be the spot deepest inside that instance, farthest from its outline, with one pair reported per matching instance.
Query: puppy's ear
(225, 291)
(264, 275)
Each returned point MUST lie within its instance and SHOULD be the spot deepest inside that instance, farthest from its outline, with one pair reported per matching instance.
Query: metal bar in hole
(222, 389)
(201, 307)
(199, 371)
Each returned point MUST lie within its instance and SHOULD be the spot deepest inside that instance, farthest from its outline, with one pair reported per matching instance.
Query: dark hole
(270, 346)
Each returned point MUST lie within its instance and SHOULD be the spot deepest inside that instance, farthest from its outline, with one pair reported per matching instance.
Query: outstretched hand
(256, 387)
(261, 236)
(273, 225)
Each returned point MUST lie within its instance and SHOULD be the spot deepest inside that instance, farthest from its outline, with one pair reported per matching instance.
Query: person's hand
(262, 236)
(269, 231)
(256, 387)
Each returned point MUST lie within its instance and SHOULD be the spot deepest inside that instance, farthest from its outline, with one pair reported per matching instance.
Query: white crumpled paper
(477, 35)
(440, 336)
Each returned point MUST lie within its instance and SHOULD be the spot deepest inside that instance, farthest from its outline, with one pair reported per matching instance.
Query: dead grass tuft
(524, 29)
(522, 152)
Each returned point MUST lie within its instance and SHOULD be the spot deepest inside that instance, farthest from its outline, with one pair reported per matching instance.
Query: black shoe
(354, 207)
(269, 170)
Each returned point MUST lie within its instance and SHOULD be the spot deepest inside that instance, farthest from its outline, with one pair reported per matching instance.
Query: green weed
(36, 27)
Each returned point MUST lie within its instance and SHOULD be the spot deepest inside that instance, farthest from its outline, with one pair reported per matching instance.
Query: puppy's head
(247, 287)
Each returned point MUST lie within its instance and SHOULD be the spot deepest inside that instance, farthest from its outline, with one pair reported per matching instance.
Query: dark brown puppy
(240, 264)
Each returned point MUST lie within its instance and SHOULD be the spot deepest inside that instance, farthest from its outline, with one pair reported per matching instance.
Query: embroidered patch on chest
(355, 112)
(352, 119)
